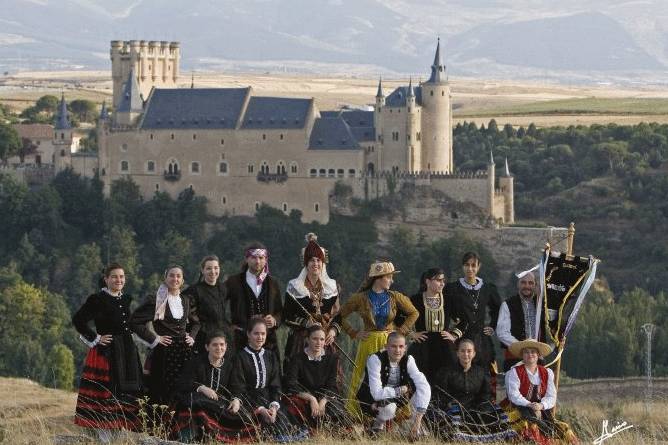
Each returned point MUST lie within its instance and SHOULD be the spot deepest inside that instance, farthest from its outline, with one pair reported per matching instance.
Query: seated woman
(531, 396)
(461, 409)
(205, 407)
(256, 381)
(313, 396)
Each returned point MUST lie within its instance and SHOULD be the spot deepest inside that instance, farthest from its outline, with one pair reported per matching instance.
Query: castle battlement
(478, 174)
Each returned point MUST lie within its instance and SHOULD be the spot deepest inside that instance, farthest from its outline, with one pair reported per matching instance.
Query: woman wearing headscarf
(311, 298)
(377, 306)
(111, 380)
(175, 324)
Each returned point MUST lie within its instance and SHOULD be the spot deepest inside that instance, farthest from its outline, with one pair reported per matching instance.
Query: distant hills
(489, 38)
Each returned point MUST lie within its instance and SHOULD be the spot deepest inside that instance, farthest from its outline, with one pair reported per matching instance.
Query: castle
(240, 150)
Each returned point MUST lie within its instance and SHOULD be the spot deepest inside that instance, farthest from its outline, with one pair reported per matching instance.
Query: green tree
(85, 110)
(61, 361)
(10, 143)
(122, 249)
(48, 103)
(84, 273)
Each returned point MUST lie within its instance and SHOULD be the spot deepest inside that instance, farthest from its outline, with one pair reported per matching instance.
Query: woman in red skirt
(111, 378)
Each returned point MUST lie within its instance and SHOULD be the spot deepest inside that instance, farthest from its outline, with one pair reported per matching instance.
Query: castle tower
(62, 127)
(436, 117)
(413, 144)
(378, 123)
(506, 184)
(155, 64)
(491, 183)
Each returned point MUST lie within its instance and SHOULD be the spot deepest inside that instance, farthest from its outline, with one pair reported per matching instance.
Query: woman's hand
(331, 336)
(418, 337)
(105, 339)
(272, 414)
(445, 335)
(234, 406)
(208, 392)
(270, 321)
(165, 340)
(189, 340)
(323, 404)
(488, 330)
(315, 407)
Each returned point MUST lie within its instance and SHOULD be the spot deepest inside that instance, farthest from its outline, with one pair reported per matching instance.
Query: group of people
(213, 369)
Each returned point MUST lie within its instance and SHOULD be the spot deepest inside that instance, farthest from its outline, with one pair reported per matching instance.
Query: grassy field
(31, 414)
(574, 106)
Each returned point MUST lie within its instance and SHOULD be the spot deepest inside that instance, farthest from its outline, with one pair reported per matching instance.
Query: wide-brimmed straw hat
(517, 347)
(380, 268)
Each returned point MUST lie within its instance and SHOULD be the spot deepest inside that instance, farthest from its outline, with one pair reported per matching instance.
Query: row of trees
(45, 108)
(609, 179)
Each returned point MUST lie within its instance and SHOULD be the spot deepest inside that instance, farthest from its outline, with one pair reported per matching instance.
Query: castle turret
(62, 136)
(491, 183)
(104, 113)
(506, 184)
(436, 119)
(378, 123)
(413, 145)
(131, 104)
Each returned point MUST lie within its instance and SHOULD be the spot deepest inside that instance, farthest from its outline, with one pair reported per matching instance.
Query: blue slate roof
(276, 112)
(203, 108)
(361, 124)
(398, 97)
(131, 100)
(62, 119)
(332, 133)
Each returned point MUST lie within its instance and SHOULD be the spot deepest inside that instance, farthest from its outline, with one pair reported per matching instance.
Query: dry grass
(31, 414)
(517, 103)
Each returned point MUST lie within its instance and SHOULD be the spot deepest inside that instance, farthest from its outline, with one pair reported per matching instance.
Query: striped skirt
(548, 431)
(98, 404)
(486, 423)
(207, 419)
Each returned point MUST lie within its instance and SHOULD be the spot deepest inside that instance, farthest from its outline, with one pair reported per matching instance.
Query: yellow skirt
(370, 345)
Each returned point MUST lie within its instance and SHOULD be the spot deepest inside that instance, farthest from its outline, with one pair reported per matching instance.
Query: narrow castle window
(222, 168)
(150, 166)
(224, 200)
(151, 136)
(281, 136)
(251, 168)
(125, 166)
(194, 136)
(222, 142)
(172, 136)
(194, 167)
(431, 93)
(264, 137)
(285, 206)
(316, 207)
(293, 168)
(257, 206)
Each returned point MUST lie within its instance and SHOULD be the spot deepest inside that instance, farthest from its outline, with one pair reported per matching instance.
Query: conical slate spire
(131, 99)
(104, 113)
(411, 92)
(437, 68)
(62, 119)
(380, 87)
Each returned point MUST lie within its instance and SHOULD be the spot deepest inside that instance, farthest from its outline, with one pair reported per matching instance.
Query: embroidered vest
(528, 390)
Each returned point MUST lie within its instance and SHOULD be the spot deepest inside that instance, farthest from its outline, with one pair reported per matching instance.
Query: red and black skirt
(209, 420)
(100, 403)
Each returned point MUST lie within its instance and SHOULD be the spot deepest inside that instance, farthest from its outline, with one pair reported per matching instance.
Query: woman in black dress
(256, 381)
(111, 378)
(433, 344)
(175, 322)
(205, 408)
(461, 409)
(311, 381)
(475, 308)
(210, 295)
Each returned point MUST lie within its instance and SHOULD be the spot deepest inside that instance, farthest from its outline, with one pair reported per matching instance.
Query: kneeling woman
(111, 378)
(205, 406)
(256, 381)
(461, 409)
(311, 383)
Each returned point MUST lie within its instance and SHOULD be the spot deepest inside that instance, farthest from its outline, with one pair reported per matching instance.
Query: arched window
(294, 168)
(194, 168)
(222, 168)
(150, 166)
(313, 173)
(173, 167)
(316, 207)
(285, 207)
(331, 173)
(280, 168)
(351, 173)
(224, 200)
(322, 172)
(257, 206)
(370, 168)
(264, 168)
(251, 168)
(340, 173)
